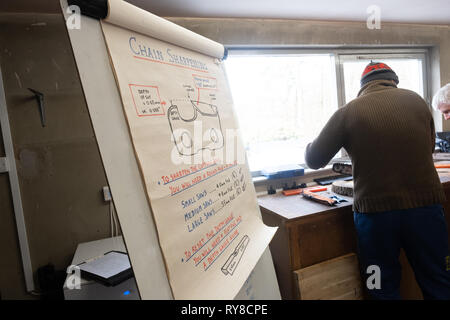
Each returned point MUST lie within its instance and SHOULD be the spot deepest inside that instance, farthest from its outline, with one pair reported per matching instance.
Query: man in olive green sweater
(389, 135)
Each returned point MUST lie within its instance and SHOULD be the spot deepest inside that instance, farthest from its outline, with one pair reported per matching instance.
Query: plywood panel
(336, 279)
(322, 237)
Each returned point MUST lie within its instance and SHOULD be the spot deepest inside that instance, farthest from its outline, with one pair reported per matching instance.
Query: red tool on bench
(300, 190)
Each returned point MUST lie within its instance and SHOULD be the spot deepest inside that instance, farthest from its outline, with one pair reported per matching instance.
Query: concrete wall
(342, 34)
(59, 166)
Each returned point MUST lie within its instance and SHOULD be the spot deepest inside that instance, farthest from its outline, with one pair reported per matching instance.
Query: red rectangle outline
(135, 107)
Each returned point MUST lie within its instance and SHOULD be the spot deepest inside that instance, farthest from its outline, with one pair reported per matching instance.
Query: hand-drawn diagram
(234, 259)
(185, 115)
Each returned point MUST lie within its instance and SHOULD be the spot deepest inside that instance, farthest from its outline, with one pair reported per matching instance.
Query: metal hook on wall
(40, 99)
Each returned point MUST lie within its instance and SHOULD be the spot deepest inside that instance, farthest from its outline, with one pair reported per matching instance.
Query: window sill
(262, 183)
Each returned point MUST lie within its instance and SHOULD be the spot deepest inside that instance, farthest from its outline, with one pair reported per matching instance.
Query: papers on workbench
(441, 156)
(110, 269)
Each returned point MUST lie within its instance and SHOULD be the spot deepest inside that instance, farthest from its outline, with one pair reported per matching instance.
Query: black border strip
(97, 9)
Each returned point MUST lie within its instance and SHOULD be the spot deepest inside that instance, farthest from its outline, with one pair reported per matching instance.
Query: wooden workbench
(310, 233)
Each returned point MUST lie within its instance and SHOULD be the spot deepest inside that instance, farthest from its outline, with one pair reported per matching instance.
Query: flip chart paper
(178, 106)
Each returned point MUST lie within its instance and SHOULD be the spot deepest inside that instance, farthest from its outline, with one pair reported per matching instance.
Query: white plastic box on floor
(92, 290)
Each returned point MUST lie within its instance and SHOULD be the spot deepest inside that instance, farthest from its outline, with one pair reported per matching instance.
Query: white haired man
(441, 101)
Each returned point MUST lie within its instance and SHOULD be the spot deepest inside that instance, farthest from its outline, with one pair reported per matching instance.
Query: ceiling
(410, 11)
(406, 11)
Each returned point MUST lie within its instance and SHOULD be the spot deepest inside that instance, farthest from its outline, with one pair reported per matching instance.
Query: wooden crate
(335, 279)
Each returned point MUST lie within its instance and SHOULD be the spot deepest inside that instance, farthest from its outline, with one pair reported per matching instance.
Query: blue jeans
(422, 233)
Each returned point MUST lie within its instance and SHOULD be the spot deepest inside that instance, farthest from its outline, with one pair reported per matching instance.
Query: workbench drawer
(335, 279)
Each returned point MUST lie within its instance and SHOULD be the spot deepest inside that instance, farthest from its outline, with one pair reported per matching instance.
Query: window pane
(282, 103)
(409, 72)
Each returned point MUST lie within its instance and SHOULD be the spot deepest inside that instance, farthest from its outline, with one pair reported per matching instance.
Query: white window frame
(380, 55)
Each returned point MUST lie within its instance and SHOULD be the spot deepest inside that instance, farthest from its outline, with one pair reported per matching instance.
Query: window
(409, 69)
(282, 103)
(283, 98)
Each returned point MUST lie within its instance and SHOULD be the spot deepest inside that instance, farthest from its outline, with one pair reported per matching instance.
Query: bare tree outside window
(282, 103)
